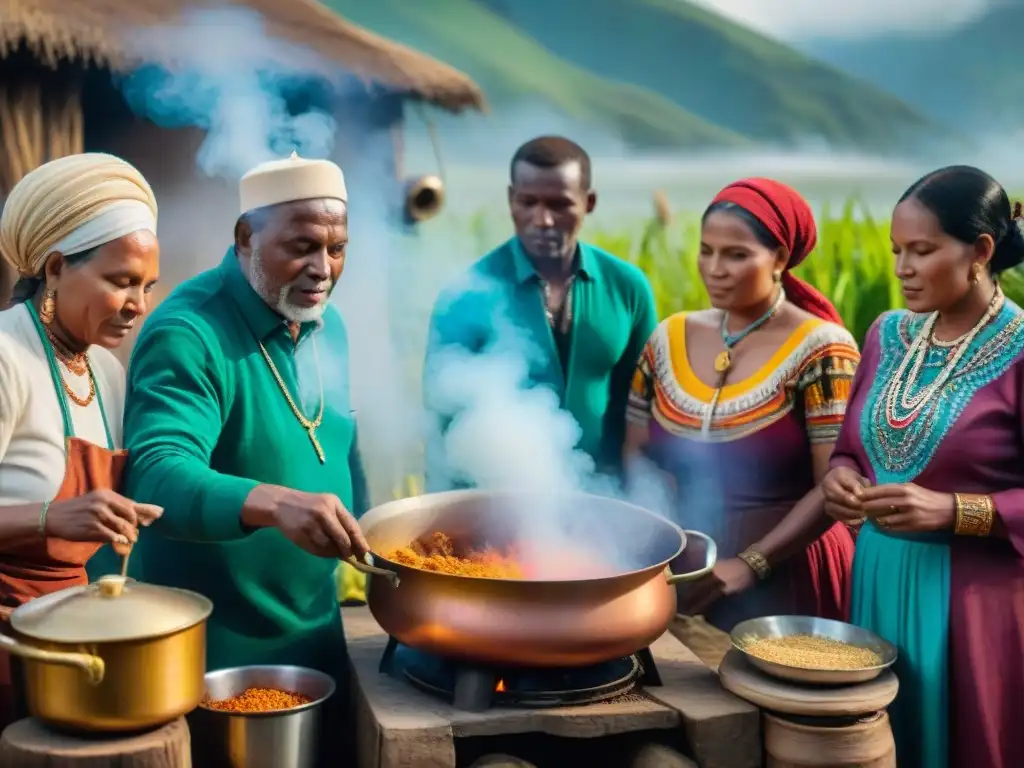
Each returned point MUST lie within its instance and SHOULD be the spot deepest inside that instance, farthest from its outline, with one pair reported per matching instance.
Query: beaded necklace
(723, 361)
(922, 385)
(902, 404)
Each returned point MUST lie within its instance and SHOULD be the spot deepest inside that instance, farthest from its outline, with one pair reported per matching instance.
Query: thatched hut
(58, 96)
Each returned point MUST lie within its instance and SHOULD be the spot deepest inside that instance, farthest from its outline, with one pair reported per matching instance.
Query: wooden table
(398, 725)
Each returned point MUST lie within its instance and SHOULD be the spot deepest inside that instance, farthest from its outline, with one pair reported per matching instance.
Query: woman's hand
(842, 488)
(728, 577)
(909, 508)
(101, 515)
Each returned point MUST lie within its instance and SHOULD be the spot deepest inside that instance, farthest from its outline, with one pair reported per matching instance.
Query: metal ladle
(371, 570)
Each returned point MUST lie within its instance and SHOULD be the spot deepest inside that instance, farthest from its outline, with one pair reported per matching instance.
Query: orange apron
(47, 565)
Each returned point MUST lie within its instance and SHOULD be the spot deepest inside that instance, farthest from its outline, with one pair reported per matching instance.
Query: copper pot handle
(93, 666)
(372, 570)
(710, 558)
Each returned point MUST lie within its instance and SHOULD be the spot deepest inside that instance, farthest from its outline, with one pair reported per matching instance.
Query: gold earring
(976, 274)
(49, 307)
(777, 276)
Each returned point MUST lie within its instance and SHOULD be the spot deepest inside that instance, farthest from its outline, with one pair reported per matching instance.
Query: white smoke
(227, 75)
(233, 83)
(505, 434)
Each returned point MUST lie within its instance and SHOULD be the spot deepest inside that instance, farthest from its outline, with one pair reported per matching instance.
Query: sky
(843, 19)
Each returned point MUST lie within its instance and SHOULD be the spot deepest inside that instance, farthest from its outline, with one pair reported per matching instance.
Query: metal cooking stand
(474, 685)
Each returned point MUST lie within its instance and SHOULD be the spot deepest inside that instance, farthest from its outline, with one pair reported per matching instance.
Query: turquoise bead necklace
(723, 361)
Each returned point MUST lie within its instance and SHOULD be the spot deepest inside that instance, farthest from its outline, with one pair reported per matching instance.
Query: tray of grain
(806, 649)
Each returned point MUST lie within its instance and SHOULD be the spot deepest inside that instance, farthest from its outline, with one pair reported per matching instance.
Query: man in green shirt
(237, 419)
(577, 316)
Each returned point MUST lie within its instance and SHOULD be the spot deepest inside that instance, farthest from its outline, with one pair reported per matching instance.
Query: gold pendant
(316, 445)
(723, 361)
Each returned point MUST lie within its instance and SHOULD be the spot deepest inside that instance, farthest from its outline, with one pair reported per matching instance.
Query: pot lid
(110, 610)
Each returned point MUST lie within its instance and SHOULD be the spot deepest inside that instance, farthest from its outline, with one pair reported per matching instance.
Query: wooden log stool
(498, 760)
(808, 725)
(659, 756)
(31, 744)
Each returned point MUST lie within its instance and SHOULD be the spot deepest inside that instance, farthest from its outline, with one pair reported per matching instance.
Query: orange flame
(500, 687)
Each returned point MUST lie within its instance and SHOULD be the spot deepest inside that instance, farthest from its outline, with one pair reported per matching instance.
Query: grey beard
(280, 302)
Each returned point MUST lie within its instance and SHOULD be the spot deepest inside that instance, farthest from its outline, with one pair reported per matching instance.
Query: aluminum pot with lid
(116, 655)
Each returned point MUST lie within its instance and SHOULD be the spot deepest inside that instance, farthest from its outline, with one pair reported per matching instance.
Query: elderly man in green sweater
(236, 422)
(577, 316)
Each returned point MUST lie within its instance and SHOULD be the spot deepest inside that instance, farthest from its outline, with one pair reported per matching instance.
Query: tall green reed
(852, 264)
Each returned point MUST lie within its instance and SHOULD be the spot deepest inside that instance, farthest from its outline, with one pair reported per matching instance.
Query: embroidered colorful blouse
(810, 375)
(741, 480)
(916, 396)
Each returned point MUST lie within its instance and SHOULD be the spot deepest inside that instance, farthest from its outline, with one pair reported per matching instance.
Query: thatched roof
(95, 31)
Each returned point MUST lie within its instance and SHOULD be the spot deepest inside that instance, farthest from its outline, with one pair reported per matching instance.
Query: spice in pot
(811, 652)
(437, 553)
(258, 700)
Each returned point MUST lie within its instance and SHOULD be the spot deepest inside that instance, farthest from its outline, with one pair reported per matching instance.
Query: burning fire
(500, 687)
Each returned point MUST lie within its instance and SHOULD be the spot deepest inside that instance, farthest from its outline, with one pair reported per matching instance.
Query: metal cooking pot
(116, 655)
(283, 738)
(554, 620)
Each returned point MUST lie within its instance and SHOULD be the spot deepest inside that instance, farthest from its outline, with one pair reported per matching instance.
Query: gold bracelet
(975, 514)
(757, 562)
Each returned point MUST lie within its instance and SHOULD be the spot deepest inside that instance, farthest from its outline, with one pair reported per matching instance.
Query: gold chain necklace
(310, 426)
(76, 362)
(75, 397)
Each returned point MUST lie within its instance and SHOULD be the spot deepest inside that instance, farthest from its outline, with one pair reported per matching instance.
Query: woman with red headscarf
(741, 405)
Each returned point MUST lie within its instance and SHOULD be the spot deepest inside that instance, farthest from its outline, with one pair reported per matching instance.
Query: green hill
(654, 72)
(719, 70)
(510, 66)
(970, 77)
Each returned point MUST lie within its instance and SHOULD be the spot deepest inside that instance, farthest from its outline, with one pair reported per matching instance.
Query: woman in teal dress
(930, 458)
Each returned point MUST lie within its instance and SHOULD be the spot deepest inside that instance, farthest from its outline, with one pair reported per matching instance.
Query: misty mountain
(657, 73)
(971, 78)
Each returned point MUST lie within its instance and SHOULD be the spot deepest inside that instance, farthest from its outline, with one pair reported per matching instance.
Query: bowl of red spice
(260, 717)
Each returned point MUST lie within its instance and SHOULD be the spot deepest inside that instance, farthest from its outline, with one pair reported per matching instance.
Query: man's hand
(317, 522)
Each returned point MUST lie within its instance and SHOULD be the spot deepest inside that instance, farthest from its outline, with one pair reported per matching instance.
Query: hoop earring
(976, 274)
(777, 276)
(49, 307)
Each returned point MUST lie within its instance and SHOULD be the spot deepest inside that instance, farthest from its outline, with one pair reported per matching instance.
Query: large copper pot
(568, 616)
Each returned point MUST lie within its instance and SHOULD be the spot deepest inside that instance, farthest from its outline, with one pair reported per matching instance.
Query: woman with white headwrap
(81, 234)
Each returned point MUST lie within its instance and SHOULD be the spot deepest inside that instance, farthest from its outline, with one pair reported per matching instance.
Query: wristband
(42, 519)
(975, 514)
(757, 562)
